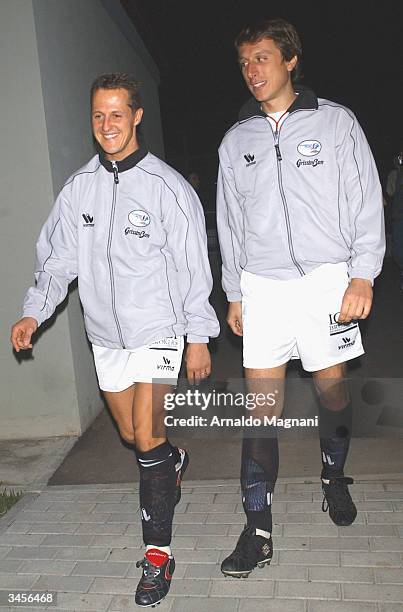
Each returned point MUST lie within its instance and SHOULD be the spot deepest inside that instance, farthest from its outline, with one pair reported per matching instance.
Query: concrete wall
(50, 51)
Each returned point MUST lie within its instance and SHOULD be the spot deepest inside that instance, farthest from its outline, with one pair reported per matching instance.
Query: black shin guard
(258, 476)
(157, 492)
(335, 434)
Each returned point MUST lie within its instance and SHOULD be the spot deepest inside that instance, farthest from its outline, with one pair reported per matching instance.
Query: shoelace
(337, 492)
(150, 571)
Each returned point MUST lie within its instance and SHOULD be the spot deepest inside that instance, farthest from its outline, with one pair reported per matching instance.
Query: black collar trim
(305, 100)
(128, 162)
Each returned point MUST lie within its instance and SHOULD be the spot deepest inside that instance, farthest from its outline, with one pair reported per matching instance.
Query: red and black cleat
(154, 584)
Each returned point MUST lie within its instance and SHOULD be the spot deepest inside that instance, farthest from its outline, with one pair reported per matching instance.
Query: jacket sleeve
(56, 262)
(229, 225)
(184, 223)
(363, 193)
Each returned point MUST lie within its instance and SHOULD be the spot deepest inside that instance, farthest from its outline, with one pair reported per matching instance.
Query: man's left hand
(198, 362)
(357, 301)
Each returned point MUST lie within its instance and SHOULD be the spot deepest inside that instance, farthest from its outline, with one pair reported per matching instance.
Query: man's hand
(21, 333)
(234, 318)
(357, 301)
(198, 362)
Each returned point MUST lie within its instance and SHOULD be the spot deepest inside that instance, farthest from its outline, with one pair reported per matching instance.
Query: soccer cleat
(154, 584)
(251, 550)
(180, 468)
(337, 500)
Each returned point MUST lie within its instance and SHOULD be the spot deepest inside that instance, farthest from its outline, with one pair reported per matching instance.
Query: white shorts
(118, 369)
(297, 319)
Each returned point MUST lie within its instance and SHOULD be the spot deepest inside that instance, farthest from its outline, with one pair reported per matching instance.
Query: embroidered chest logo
(138, 218)
(89, 220)
(309, 148)
(250, 159)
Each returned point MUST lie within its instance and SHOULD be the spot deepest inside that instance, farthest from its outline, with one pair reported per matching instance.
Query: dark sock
(157, 492)
(258, 477)
(335, 435)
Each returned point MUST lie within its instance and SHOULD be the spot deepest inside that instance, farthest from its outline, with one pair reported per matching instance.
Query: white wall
(50, 51)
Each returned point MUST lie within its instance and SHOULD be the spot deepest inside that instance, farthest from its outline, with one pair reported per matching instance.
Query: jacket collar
(128, 162)
(306, 99)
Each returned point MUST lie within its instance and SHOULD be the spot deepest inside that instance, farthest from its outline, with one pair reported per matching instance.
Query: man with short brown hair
(300, 224)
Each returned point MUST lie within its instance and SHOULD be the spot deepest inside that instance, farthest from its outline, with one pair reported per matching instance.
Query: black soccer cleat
(337, 500)
(251, 550)
(154, 584)
(180, 468)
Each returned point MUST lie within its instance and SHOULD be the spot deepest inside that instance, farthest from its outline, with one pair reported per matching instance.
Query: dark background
(352, 54)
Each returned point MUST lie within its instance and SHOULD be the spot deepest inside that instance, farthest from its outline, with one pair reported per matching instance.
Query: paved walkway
(83, 542)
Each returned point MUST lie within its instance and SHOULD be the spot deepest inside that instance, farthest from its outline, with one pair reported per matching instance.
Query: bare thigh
(148, 414)
(120, 404)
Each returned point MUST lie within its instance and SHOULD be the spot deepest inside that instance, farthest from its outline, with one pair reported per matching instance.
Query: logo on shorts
(166, 365)
(308, 148)
(336, 328)
(139, 218)
(250, 159)
(89, 220)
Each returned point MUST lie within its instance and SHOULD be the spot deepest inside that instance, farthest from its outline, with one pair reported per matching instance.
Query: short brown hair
(282, 33)
(119, 80)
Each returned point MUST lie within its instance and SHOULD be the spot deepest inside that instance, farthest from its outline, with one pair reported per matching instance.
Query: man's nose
(251, 70)
(106, 124)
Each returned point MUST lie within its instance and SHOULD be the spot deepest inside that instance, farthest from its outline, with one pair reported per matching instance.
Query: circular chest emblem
(139, 218)
(309, 147)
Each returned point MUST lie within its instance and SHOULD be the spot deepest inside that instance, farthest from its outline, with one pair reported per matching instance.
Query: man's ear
(292, 63)
(138, 115)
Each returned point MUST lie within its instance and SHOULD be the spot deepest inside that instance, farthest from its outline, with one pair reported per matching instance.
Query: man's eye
(261, 58)
(117, 115)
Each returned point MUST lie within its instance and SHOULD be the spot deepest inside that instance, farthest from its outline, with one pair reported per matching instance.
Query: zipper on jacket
(276, 135)
(112, 218)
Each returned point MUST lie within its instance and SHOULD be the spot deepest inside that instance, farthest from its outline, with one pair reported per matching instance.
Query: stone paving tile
(47, 567)
(322, 518)
(202, 530)
(371, 559)
(241, 588)
(10, 566)
(107, 569)
(207, 498)
(384, 495)
(19, 527)
(126, 602)
(67, 584)
(122, 517)
(394, 486)
(54, 528)
(390, 607)
(344, 544)
(376, 592)
(308, 557)
(40, 517)
(81, 553)
(368, 530)
(387, 518)
(194, 517)
(17, 581)
(199, 604)
(314, 531)
(375, 506)
(82, 601)
(31, 552)
(210, 508)
(340, 606)
(307, 590)
(103, 529)
(190, 588)
(107, 507)
(291, 496)
(4, 550)
(391, 544)
(73, 506)
(297, 518)
(389, 576)
(59, 540)
(341, 574)
(272, 605)
(77, 517)
(21, 539)
(225, 518)
(117, 541)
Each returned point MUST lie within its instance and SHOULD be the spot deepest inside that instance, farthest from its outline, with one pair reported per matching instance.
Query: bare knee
(127, 435)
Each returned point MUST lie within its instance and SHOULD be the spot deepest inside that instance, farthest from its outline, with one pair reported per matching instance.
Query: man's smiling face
(114, 122)
(267, 74)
